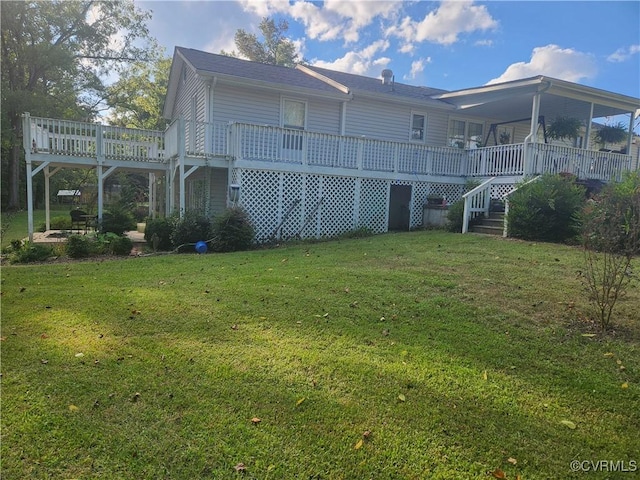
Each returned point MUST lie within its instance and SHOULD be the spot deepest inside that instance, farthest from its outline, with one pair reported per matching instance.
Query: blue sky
(449, 45)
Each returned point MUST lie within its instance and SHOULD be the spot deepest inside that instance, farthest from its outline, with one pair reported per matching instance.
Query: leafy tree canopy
(275, 49)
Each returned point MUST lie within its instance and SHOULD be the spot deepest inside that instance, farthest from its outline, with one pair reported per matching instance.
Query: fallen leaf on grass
(402, 398)
(624, 385)
(366, 434)
(569, 424)
(608, 354)
(484, 375)
(256, 420)
(358, 444)
(497, 473)
(44, 335)
(240, 467)
(73, 408)
(512, 460)
(300, 400)
(44, 361)
(589, 335)
(78, 355)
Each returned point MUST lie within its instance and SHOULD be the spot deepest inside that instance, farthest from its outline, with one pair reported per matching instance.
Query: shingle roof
(221, 64)
(375, 85)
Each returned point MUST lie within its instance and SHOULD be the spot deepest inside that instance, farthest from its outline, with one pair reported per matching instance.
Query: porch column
(630, 132)
(586, 144)
(47, 195)
(152, 195)
(528, 158)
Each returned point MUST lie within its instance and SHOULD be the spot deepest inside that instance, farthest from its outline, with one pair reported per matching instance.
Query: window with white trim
(465, 134)
(418, 127)
(294, 116)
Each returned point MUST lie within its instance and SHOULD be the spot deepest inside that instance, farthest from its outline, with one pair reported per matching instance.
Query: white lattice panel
(374, 205)
(290, 214)
(501, 189)
(259, 197)
(450, 191)
(310, 207)
(337, 205)
(420, 191)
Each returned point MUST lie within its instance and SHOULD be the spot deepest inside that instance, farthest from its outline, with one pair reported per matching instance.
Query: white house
(312, 152)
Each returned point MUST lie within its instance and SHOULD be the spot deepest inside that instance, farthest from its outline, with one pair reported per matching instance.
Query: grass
(460, 354)
(14, 224)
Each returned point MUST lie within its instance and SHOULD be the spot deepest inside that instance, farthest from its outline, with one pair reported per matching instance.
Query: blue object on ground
(201, 247)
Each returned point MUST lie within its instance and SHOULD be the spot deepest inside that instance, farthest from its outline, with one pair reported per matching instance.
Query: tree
(138, 96)
(276, 49)
(55, 58)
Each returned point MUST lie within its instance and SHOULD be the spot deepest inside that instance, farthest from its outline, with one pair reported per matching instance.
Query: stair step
(487, 229)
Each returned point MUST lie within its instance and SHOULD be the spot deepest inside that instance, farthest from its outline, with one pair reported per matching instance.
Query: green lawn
(401, 356)
(15, 224)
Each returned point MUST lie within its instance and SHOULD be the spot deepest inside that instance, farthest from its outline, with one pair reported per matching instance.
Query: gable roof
(239, 71)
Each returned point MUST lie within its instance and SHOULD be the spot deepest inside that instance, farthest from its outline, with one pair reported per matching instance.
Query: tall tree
(137, 98)
(275, 48)
(56, 55)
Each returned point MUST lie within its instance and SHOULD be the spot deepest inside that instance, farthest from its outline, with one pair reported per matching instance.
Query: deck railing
(83, 139)
(271, 144)
(605, 166)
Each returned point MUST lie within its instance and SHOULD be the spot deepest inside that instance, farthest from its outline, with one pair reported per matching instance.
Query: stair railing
(506, 202)
(476, 201)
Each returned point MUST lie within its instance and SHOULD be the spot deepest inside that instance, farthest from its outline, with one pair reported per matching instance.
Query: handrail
(506, 202)
(476, 200)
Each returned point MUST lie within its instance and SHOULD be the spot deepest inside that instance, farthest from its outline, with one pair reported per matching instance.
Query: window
(294, 115)
(418, 124)
(465, 134)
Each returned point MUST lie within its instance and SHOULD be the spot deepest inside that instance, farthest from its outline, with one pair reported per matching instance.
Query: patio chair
(78, 219)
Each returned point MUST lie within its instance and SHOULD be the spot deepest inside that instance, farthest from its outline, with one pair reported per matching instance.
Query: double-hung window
(294, 116)
(465, 134)
(418, 127)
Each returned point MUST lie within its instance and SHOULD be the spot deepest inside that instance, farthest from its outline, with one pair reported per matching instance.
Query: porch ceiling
(513, 100)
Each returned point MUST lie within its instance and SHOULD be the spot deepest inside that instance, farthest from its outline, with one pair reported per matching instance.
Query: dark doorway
(399, 211)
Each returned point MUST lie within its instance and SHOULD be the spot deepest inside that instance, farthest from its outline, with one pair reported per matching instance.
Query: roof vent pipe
(387, 76)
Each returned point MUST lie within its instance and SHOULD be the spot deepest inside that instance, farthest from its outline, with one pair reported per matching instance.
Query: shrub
(611, 239)
(25, 252)
(161, 228)
(191, 228)
(455, 213)
(232, 230)
(121, 246)
(78, 246)
(117, 220)
(547, 209)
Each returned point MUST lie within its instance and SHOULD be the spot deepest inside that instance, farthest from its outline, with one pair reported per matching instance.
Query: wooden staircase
(491, 225)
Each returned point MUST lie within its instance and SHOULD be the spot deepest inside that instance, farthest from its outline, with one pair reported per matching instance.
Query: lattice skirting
(285, 205)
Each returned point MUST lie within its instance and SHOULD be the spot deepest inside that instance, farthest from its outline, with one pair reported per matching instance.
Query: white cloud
(553, 61)
(623, 54)
(331, 20)
(484, 43)
(444, 24)
(362, 62)
(417, 67)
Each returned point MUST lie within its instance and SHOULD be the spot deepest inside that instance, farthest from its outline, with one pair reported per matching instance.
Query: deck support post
(100, 160)
(181, 157)
(47, 195)
(26, 144)
(527, 159)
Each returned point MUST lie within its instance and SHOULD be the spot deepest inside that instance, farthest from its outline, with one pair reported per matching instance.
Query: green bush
(121, 246)
(232, 231)
(161, 228)
(546, 210)
(78, 246)
(25, 252)
(189, 229)
(117, 220)
(455, 213)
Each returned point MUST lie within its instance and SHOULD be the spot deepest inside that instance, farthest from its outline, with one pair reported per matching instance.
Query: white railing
(274, 144)
(605, 166)
(279, 145)
(476, 202)
(506, 203)
(83, 139)
(498, 160)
